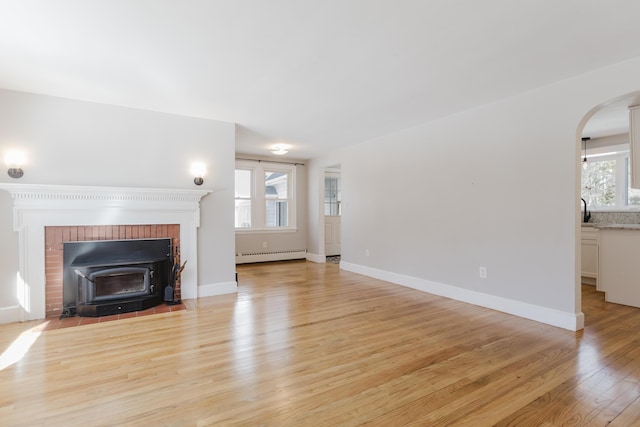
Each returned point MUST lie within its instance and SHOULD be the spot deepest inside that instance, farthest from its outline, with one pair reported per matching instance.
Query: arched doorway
(603, 177)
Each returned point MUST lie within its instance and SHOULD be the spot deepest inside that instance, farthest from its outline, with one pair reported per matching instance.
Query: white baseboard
(275, 256)
(320, 259)
(217, 289)
(561, 319)
(10, 314)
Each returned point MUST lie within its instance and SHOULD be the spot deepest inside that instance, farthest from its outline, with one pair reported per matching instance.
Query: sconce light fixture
(198, 170)
(279, 149)
(14, 161)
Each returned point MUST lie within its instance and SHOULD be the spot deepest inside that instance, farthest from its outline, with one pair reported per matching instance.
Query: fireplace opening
(115, 276)
(113, 283)
(116, 282)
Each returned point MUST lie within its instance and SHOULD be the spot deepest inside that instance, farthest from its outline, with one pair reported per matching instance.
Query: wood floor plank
(304, 344)
(629, 417)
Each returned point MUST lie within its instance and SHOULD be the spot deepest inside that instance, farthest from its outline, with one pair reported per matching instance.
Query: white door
(331, 235)
(332, 211)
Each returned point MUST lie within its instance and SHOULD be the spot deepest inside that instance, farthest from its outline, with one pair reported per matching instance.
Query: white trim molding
(570, 321)
(217, 289)
(39, 206)
(10, 314)
(317, 258)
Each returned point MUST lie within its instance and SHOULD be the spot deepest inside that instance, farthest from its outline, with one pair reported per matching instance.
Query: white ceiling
(313, 74)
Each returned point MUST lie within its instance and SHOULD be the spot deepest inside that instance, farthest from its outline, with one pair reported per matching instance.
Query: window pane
(243, 213)
(633, 197)
(599, 183)
(332, 196)
(243, 183)
(277, 213)
(276, 185)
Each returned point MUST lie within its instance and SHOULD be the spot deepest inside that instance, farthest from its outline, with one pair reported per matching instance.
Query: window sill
(266, 230)
(615, 209)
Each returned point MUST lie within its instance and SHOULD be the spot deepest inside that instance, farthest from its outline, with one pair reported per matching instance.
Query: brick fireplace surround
(56, 236)
(45, 216)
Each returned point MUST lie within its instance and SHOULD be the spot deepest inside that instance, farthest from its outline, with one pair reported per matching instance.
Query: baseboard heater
(245, 258)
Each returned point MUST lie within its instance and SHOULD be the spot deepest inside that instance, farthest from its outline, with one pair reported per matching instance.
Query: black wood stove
(115, 276)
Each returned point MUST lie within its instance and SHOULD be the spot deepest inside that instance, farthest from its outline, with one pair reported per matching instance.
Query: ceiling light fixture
(279, 149)
(584, 159)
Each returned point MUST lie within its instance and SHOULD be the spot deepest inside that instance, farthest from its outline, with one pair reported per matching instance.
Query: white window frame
(258, 198)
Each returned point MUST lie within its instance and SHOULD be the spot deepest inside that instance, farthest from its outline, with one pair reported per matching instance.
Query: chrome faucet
(586, 216)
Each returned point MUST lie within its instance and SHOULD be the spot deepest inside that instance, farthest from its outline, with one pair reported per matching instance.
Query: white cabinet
(619, 267)
(590, 255)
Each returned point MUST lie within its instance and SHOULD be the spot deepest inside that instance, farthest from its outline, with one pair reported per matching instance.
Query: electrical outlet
(264, 245)
(366, 252)
(483, 272)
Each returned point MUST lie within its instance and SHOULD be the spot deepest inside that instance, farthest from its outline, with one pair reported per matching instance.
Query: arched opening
(605, 192)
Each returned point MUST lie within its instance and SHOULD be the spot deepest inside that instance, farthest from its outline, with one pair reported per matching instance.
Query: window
(264, 196)
(276, 189)
(332, 195)
(244, 191)
(605, 182)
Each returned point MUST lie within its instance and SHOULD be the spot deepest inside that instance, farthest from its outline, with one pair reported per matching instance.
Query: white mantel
(38, 206)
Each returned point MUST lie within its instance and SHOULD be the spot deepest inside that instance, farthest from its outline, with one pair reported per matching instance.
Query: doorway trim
(632, 97)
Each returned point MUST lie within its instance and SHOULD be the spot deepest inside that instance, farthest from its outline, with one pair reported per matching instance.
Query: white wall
(8, 255)
(78, 143)
(495, 186)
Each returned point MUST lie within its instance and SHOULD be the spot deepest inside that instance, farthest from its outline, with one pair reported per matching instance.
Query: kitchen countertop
(612, 226)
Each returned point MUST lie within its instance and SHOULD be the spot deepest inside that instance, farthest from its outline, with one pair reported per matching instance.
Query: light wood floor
(305, 344)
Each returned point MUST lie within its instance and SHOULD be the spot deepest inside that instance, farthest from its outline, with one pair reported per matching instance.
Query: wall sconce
(279, 149)
(198, 170)
(14, 161)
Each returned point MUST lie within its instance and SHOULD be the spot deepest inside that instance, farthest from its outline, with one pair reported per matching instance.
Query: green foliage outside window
(599, 183)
